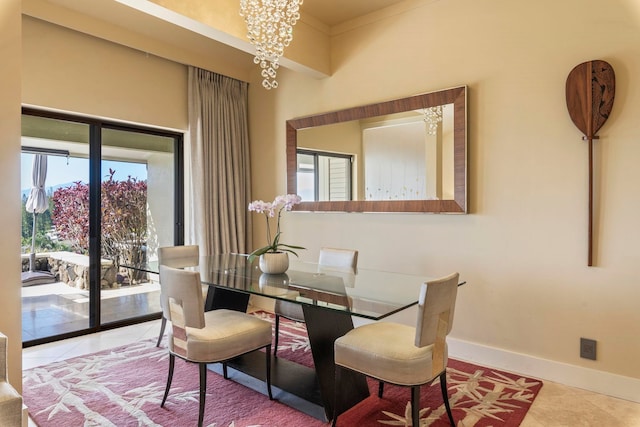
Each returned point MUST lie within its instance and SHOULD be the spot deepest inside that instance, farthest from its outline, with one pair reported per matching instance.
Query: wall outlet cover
(588, 348)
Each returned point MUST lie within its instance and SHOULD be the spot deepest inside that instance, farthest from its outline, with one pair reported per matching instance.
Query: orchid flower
(270, 209)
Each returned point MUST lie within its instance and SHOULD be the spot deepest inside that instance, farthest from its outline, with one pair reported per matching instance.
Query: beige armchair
(10, 399)
(399, 354)
(207, 337)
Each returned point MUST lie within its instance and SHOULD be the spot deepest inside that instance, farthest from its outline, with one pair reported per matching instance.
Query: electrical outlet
(588, 348)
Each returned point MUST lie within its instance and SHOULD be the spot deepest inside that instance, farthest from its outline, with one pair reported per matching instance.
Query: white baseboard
(571, 375)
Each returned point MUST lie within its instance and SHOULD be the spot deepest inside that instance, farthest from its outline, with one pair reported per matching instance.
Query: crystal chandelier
(432, 117)
(270, 29)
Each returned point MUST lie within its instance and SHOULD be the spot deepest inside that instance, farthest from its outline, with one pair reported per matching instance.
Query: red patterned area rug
(124, 386)
(479, 396)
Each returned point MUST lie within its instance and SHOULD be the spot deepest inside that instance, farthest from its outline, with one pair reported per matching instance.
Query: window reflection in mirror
(323, 176)
(403, 156)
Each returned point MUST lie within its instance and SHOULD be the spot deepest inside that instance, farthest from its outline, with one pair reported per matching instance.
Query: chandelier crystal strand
(432, 117)
(270, 29)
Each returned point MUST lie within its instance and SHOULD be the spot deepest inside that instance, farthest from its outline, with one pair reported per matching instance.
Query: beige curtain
(218, 156)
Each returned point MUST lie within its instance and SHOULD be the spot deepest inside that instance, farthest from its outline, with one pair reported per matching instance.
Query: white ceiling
(334, 12)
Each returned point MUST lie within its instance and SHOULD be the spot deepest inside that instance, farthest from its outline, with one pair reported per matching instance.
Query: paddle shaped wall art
(590, 91)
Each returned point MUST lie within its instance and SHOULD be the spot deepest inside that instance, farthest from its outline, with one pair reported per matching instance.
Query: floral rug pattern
(478, 397)
(124, 387)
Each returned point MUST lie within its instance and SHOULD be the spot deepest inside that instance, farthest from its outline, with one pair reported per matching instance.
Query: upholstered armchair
(10, 399)
(403, 355)
(201, 337)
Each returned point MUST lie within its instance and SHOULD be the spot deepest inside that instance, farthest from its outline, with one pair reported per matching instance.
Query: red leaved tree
(124, 218)
(71, 215)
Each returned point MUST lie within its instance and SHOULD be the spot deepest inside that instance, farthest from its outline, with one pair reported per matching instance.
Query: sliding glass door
(137, 216)
(113, 196)
(55, 247)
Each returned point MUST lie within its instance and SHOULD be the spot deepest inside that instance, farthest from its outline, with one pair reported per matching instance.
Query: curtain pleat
(219, 159)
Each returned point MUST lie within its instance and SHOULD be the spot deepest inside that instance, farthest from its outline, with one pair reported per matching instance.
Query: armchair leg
(225, 374)
(163, 325)
(415, 406)
(203, 392)
(268, 361)
(276, 335)
(172, 361)
(445, 396)
(380, 389)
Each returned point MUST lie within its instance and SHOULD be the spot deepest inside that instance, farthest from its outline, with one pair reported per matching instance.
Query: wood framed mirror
(418, 144)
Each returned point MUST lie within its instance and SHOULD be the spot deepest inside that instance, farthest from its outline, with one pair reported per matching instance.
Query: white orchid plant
(270, 210)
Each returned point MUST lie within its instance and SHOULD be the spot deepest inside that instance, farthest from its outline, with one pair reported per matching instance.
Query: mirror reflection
(402, 156)
(405, 155)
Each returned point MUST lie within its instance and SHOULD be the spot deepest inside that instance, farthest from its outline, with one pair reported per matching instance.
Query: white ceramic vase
(274, 262)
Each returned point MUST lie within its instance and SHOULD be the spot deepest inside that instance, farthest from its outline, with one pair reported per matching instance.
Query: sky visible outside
(62, 171)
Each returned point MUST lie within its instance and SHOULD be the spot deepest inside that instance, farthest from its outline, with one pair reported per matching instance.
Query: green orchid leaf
(292, 246)
(253, 255)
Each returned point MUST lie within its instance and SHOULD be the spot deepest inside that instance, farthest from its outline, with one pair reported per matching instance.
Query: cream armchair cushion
(390, 353)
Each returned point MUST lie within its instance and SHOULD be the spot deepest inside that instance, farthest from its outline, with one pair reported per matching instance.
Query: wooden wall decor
(590, 91)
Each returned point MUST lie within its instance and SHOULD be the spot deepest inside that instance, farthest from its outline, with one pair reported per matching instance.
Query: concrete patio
(57, 308)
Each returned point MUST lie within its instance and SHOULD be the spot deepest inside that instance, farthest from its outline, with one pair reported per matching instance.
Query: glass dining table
(329, 298)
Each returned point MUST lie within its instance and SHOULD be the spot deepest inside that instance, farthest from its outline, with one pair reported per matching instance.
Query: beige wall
(10, 51)
(70, 71)
(522, 249)
(144, 27)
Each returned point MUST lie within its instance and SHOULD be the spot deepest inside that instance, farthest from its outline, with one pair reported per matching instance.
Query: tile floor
(556, 405)
(57, 308)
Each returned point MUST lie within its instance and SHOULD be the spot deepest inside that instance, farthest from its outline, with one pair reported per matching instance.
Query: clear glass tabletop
(371, 294)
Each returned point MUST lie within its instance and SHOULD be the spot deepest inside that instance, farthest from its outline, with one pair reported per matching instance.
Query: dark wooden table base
(324, 325)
